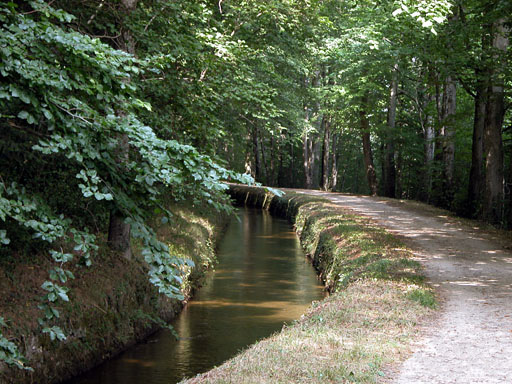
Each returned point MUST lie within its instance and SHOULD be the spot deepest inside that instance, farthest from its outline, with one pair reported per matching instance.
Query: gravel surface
(471, 340)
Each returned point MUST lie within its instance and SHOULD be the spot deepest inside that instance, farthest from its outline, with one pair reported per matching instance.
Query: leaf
(48, 286)
(55, 312)
(23, 115)
(63, 295)
(55, 333)
(60, 334)
(53, 275)
(47, 114)
(3, 237)
(150, 180)
(5, 95)
(50, 332)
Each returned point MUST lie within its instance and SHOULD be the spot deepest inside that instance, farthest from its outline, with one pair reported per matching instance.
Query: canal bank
(261, 281)
(364, 327)
(112, 303)
(378, 299)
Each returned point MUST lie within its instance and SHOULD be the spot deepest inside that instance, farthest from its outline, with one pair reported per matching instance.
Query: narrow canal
(262, 281)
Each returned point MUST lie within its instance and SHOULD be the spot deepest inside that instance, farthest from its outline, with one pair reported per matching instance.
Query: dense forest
(109, 108)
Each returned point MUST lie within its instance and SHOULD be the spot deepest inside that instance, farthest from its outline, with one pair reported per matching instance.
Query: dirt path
(471, 341)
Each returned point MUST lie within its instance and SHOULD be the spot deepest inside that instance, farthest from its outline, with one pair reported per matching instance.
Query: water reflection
(262, 281)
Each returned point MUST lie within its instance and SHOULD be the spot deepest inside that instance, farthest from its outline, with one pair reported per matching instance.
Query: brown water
(262, 281)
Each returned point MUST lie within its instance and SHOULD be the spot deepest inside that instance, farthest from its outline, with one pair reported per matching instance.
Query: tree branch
(466, 87)
(28, 130)
(37, 10)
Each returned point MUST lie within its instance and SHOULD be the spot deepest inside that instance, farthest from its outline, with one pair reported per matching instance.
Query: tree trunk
(476, 174)
(264, 167)
(292, 167)
(447, 134)
(308, 161)
(424, 100)
(118, 229)
(493, 145)
(389, 171)
(399, 172)
(436, 191)
(324, 184)
(317, 163)
(382, 154)
(306, 148)
(429, 147)
(256, 153)
(308, 154)
(272, 173)
(249, 169)
(281, 180)
(367, 149)
(319, 123)
(334, 164)
(119, 234)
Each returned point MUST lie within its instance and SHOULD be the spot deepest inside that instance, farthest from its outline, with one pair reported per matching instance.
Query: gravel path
(471, 340)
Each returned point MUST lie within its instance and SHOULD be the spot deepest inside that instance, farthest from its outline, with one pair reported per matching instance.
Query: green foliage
(67, 100)
(426, 13)
(9, 351)
(55, 333)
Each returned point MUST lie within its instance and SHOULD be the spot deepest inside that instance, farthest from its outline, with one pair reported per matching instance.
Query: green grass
(423, 296)
(349, 337)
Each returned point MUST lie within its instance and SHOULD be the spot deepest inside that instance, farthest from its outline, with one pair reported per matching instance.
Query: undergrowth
(113, 306)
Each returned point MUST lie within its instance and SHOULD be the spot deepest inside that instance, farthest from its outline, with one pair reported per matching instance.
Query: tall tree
(324, 182)
(447, 134)
(476, 174)
(389, 150)
(371, 175)
(495, 110)
(119, 230)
